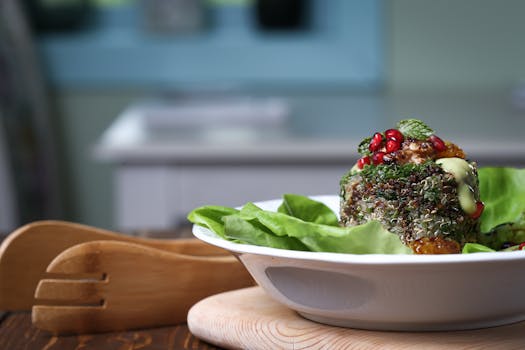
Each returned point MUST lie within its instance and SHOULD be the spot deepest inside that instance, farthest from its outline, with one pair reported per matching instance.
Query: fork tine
(144, 287)
(68, 319)
(74, 291)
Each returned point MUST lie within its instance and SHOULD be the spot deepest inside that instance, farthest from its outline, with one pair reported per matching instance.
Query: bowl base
(413, 326)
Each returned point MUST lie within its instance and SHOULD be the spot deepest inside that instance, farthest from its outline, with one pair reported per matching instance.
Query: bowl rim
(210, 237)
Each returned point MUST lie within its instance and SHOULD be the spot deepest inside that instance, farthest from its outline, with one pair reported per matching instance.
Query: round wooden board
(250, 319)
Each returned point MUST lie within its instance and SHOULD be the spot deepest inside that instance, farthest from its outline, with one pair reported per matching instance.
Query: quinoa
(415, 201)
(417, 186)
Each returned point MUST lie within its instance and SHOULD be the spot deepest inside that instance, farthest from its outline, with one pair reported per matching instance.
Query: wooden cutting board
(250, 319)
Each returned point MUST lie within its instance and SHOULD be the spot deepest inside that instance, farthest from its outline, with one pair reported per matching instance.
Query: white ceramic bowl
(387, 292)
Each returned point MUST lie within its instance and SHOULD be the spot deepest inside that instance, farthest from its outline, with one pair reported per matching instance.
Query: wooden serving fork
(111, 286)
(26, 253)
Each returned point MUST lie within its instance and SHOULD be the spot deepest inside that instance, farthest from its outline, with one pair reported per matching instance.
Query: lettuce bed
(301, 223)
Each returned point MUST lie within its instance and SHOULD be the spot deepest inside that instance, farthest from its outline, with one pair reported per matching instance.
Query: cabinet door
(160, 197)
(236, 185)
(146, 197)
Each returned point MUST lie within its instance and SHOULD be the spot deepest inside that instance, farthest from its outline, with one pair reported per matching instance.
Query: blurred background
(126, 114)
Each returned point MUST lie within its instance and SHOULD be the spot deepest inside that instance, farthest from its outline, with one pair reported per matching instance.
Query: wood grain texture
(26, 253)
(141, 287)
(250, 319)
(17, 333)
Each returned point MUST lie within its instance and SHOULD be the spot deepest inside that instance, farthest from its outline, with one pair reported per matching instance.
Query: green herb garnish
(363, 146)
(385, 172)
(415, 129)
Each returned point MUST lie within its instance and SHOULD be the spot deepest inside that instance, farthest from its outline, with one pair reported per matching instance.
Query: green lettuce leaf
(300, 224)
(249, 211)
(244, 227)
(502, 190)
(211, 217)
(476, 248)
(307, 209)
(512, 233)
(252, 232)
(369, 238)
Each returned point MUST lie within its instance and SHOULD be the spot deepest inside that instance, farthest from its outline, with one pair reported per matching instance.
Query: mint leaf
(415, 129)
(363, 147)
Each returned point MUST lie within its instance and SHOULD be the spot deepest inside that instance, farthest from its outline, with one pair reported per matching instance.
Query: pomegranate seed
(363, 161)
(437, 143)
(377, 139)
(521, 246)
(377, 158)
(479, 210)
(392, 145)
(394, 134)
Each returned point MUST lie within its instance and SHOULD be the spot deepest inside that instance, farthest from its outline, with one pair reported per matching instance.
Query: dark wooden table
(17, 332)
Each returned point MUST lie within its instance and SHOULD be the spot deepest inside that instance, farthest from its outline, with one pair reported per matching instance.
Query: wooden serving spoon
(111, 286)
(26, 253)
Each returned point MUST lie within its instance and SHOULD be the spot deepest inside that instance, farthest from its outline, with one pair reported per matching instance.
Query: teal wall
(341, 46)
(84, 115)
(458, 44)
(430, 45)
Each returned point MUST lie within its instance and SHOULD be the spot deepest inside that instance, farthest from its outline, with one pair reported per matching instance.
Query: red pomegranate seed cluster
(383, 146)
(363, 161)
(376, 142)
(394, 134)
(437, 143)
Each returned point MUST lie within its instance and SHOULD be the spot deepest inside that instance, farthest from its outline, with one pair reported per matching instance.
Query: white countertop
(321, 129)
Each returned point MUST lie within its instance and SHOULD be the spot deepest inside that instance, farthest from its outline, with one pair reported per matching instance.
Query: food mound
(417, 185)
